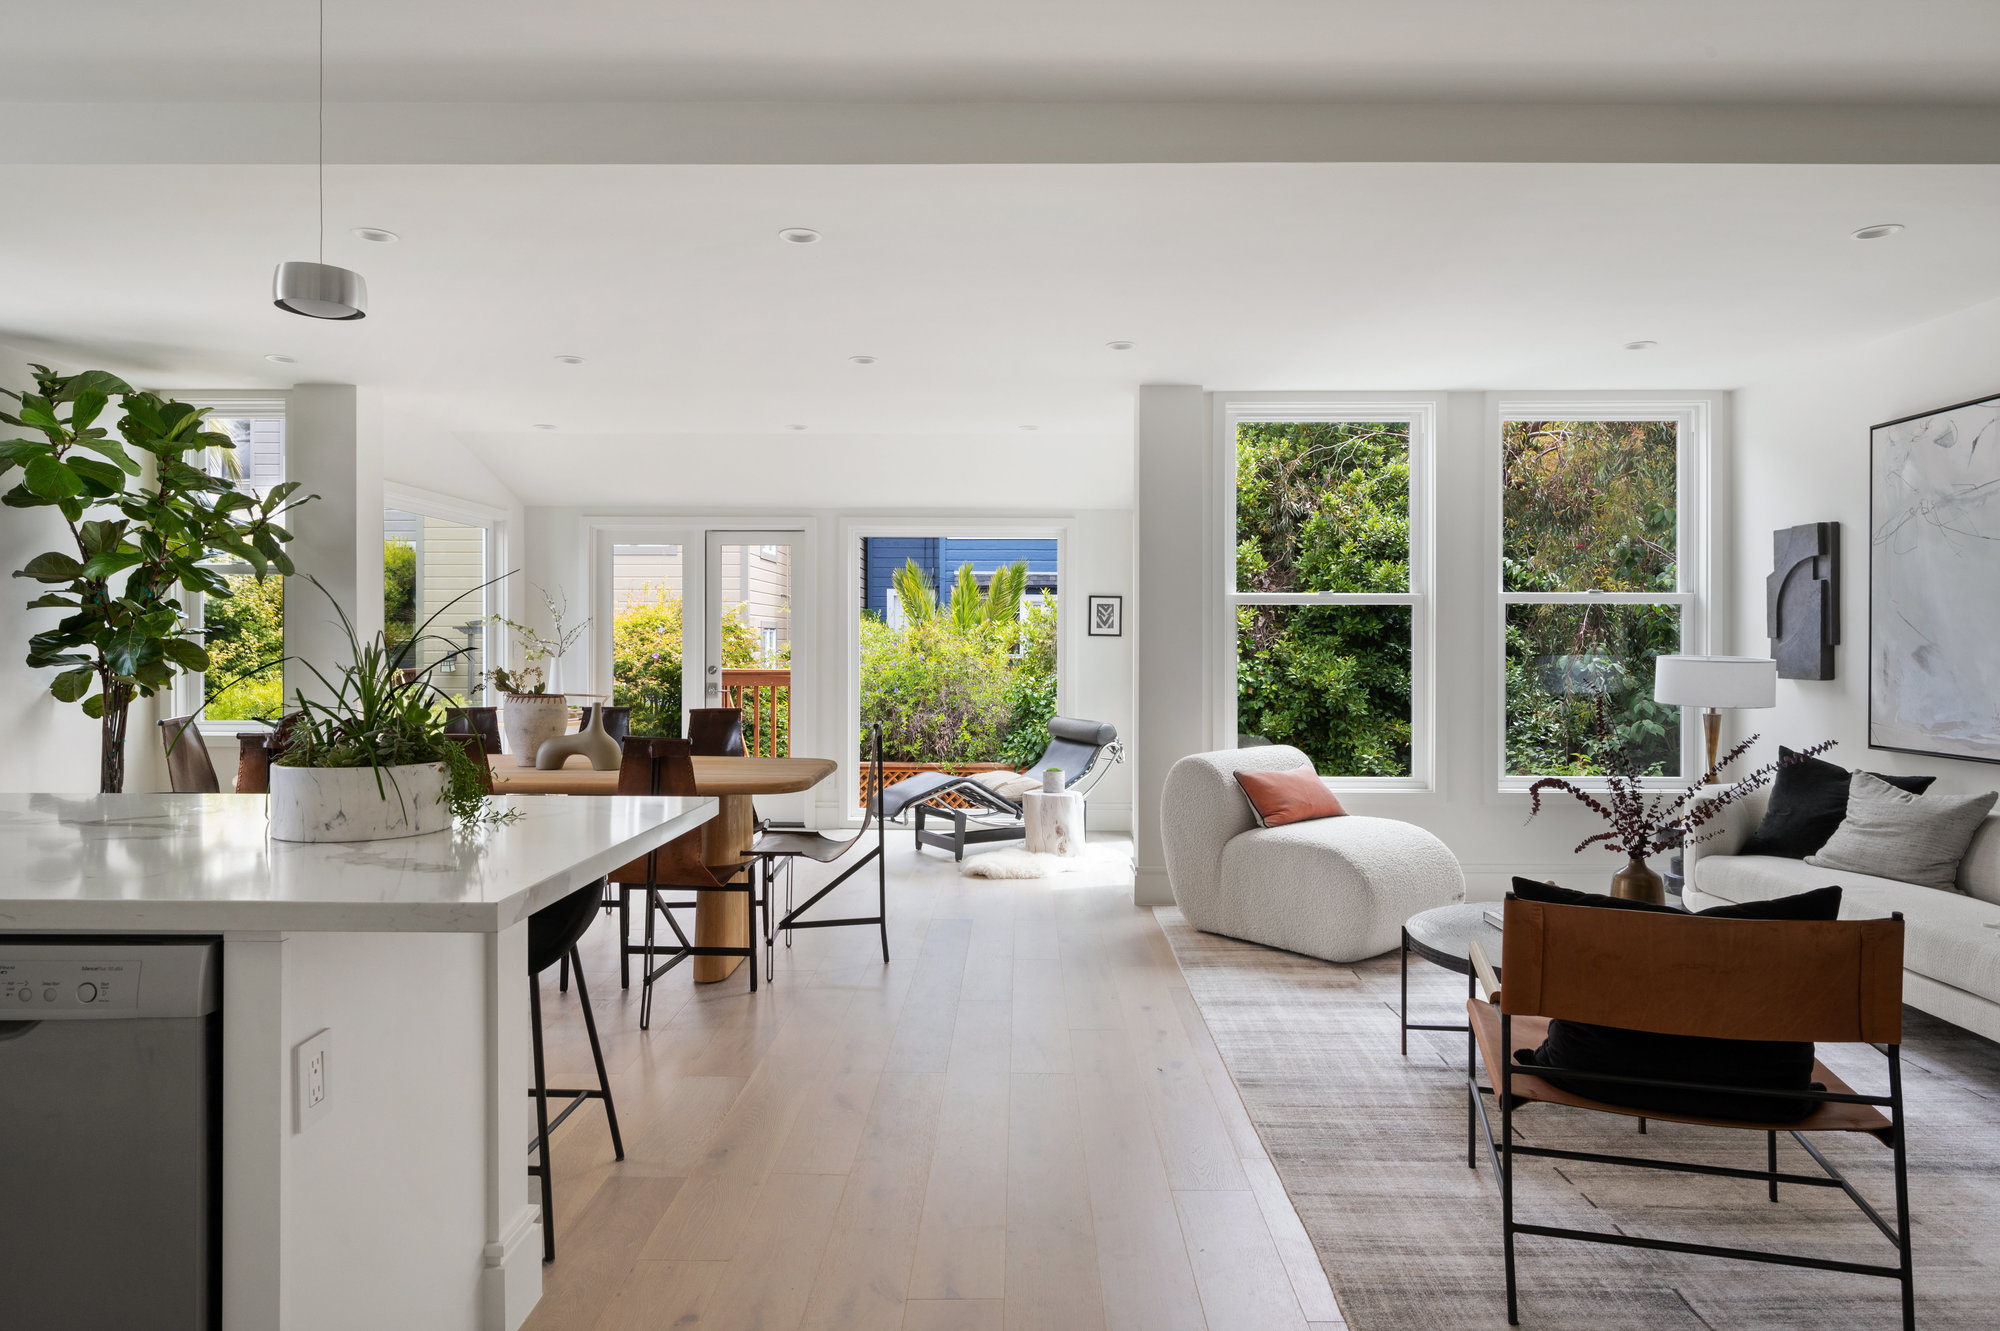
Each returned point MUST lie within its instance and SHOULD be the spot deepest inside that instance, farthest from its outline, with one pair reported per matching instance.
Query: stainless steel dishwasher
(110, 1131)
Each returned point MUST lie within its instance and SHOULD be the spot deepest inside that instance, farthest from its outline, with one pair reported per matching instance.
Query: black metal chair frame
(657, 905)
(793, 917)
(542, 1091)
(930, 803)
(1503, 1153)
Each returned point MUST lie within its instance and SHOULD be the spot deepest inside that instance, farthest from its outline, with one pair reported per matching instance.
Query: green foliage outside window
(246, 637)
(399, 596)
(972, 683)
(646, 660)
(1325, 507)
(1589, 506)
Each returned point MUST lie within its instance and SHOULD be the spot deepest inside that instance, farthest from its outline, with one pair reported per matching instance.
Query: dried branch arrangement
(1645, 823)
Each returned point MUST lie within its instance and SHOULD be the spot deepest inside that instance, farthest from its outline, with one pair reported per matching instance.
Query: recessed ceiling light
(376, 234)
(1647, 345)
(795, 427)
(1030, 427)
(862, 360)
(569, 360)
(1119, 345)
(540, 426)
(799, 235)
(281, 359)
(1879, 231)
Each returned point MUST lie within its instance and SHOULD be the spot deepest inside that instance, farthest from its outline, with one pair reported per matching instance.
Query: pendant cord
(322, 131)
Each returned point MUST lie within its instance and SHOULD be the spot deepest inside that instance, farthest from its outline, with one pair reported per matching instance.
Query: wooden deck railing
(765, 696)
(894, 772)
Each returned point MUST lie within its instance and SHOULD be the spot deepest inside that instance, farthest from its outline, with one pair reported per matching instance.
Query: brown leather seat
(190, 770)
(1794, 981)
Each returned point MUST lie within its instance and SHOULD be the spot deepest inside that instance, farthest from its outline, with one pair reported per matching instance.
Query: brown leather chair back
(652, 766)
(1834, 980)
(716, 732)
(481, 721)
(190, 771)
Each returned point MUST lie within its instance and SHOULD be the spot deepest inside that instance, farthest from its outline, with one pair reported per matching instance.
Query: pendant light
(320, 290)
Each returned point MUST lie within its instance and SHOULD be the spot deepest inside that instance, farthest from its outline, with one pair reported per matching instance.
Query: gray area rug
(1371, 1146)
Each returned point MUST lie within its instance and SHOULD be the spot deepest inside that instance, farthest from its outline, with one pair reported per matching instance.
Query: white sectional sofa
(1334, 888)
(1951, 940)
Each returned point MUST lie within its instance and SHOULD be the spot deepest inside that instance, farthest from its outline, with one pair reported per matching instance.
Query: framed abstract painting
(1934, 583)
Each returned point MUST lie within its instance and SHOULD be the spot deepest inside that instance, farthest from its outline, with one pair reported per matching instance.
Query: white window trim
(188, 691)
(1695, 416)
(1069, 612)
(449, 508)
(1425, 414)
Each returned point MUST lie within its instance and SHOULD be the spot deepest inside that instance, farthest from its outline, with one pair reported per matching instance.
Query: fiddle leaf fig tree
(139, 540)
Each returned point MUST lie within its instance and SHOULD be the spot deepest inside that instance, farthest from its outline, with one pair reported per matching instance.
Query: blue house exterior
(940, 557)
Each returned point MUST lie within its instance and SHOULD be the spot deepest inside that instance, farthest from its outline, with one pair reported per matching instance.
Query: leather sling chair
(1831, 981)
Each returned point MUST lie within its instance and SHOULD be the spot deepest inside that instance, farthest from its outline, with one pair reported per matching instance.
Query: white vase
(1053, 780)
(530, 720)
(346, 804)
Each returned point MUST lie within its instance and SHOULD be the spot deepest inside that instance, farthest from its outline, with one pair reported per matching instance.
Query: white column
(1176, 605)
(333, 448)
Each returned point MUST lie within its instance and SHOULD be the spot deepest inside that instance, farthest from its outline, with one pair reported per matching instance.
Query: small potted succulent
(533, 708)
(370, 759)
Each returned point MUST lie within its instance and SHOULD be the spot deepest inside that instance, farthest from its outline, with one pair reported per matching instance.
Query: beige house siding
(639, 573)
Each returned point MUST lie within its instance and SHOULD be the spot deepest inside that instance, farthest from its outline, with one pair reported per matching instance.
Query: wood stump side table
(1055, 822)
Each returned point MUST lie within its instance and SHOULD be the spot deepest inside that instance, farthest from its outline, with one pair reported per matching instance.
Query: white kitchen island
(407, 1203)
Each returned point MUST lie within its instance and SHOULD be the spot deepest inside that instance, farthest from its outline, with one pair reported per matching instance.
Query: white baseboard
(1151, 888)
(511, 1284)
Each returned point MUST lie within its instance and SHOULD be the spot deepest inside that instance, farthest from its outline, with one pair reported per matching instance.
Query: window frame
(1424, 413)
(1693, 502)
(493, 521)
(189, 691)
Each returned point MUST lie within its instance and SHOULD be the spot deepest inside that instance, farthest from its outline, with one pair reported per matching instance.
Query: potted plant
(370, 760)
(139, 540)
(1645, 824)
(533, 708)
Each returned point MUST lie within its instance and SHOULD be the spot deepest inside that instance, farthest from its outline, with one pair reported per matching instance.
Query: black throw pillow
(1808, 801)
(1755, 1065)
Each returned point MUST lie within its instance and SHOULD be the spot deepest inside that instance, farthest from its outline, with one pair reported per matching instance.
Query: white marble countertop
(204, 864)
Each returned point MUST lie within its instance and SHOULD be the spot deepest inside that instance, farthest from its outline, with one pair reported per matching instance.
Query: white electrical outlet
(310, 1087)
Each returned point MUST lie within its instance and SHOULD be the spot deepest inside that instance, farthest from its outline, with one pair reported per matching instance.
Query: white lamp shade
(1716, 681)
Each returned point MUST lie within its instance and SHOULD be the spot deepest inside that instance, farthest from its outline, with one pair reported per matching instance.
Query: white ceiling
(1402, 50)
(987, 293)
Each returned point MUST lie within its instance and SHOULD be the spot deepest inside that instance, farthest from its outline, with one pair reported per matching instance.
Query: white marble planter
(343, 804)
(530, 720)
(1055, 822)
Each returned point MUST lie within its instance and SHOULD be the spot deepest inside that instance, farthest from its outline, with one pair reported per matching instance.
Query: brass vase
(1637, 882)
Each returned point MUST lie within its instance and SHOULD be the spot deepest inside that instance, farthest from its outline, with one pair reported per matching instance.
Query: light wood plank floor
(1019, 1122)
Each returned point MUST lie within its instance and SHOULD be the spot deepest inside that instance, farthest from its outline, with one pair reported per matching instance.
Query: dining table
(721, 919)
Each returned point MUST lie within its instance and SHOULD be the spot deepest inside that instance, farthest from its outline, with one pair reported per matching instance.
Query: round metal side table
(1445, 937)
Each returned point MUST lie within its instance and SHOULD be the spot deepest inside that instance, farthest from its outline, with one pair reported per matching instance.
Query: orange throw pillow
(1277, 798)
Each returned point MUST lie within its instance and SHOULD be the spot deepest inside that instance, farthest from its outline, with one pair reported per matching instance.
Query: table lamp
(1715, 682)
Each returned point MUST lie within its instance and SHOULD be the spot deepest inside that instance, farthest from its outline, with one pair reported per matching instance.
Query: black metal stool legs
(541, 1170)
(597, 1055)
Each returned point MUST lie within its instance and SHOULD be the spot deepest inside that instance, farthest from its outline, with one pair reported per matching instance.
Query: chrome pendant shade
(319, 291)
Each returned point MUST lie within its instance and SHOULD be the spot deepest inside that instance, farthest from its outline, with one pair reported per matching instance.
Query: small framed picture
(1107, 616)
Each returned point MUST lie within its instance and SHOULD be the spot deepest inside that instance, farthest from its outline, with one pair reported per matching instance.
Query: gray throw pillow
(1892, 833)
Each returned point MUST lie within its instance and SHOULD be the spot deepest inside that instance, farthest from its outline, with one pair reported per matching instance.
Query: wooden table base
(723, 919)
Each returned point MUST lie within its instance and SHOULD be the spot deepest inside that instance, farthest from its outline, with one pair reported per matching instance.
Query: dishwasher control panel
(34, 988)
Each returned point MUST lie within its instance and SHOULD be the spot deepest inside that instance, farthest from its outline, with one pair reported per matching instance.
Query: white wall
(1803, 457)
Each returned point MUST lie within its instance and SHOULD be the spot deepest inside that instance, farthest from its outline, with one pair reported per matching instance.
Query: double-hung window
(245, 631)
(1601, 522)
(1327, 578)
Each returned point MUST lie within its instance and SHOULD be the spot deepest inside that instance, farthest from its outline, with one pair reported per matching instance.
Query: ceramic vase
(1053, 780)
(530, 720)
(592, 742)
(1638, 882)
(348, 803)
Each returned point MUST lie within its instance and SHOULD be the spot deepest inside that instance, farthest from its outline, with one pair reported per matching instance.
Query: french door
(749, 612)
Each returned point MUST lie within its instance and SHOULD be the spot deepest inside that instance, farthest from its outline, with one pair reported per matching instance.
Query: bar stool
(553, 932)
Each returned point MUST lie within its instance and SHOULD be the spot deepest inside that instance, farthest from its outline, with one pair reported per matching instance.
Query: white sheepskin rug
(1014, 862)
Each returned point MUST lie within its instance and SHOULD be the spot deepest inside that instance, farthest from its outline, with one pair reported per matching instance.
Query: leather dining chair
(190, 770)
(716, 732)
